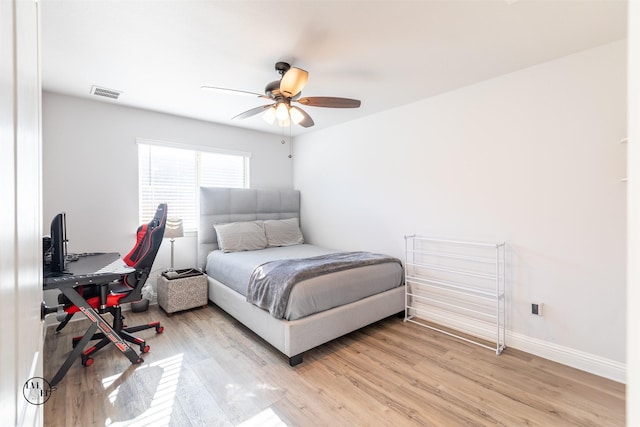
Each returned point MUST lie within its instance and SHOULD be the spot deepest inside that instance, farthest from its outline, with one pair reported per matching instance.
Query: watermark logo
(36, 390)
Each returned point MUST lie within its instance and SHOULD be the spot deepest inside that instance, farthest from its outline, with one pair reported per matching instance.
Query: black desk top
(91, 263)
(83, 272)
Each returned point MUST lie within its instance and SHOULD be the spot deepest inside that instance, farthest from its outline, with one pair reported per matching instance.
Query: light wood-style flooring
(208, 370)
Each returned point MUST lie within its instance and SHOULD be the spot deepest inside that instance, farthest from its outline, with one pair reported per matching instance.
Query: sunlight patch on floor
(266, 418)
(159, 411)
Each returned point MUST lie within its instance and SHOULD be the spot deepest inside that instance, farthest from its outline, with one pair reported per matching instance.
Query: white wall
(531, 157)
(90, 168)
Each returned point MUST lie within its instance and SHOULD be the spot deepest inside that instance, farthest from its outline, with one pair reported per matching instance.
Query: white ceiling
(385, 53)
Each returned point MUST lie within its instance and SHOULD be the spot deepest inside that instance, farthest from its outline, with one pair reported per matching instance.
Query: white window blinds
(173, 175)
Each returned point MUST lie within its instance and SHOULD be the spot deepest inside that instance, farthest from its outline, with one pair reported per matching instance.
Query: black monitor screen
(58, 243)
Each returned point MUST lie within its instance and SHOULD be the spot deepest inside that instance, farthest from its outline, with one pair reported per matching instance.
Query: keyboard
(118, 266)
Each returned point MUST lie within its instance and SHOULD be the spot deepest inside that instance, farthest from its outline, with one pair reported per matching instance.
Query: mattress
(308, 296)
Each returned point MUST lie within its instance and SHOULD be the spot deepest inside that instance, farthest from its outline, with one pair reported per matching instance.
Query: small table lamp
(173, 229)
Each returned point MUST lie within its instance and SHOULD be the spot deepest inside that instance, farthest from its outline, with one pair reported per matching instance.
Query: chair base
(126, 333)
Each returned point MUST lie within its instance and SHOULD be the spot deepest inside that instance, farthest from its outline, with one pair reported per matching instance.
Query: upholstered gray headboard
(220, 205)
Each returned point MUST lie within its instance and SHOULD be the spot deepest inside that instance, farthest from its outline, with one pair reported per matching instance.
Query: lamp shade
(173, 229)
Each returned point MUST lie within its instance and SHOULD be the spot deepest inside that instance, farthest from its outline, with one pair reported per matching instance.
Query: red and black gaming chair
(128, 289)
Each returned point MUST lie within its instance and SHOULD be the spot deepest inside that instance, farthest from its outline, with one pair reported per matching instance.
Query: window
(173, 175)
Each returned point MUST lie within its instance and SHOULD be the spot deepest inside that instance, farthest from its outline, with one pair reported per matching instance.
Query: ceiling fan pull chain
(290, 143)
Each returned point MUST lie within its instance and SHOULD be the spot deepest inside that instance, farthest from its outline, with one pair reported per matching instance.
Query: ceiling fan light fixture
(269, 116)
(296, 115)
(282, 112)
(293, 81)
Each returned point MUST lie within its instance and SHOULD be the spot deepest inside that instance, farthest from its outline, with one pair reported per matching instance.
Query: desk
(83, 272)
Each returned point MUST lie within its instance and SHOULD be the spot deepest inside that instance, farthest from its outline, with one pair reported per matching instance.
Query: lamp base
(172, 241)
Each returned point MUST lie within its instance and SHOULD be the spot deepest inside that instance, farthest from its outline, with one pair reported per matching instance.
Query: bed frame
(293, 338)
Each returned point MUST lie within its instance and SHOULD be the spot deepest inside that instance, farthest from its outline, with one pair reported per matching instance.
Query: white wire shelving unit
(457, 288)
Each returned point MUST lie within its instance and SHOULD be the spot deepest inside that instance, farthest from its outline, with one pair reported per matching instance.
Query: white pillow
(283, 232)
(241, 236)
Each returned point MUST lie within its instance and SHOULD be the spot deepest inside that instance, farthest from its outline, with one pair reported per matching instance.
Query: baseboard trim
(584, 361)
(588, 362)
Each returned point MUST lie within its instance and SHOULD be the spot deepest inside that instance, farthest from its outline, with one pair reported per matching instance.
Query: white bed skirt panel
(297, 336)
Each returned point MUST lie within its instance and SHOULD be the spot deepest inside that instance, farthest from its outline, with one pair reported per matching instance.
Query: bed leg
(295, 360)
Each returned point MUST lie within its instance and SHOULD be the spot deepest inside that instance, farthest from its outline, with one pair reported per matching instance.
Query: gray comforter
(271, 283)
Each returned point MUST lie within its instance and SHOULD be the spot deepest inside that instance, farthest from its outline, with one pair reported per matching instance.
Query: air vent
(107, 93)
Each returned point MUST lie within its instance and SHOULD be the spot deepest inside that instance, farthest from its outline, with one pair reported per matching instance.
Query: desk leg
(73, 356)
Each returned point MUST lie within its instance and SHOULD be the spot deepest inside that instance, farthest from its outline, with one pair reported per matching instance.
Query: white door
(21, 332)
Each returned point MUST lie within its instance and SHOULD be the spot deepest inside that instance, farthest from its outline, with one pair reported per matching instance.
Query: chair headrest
(149, 238)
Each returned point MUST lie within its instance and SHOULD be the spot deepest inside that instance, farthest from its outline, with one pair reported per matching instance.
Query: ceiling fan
(283, 93)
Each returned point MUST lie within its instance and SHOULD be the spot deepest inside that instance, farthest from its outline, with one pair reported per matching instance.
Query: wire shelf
(459, 285)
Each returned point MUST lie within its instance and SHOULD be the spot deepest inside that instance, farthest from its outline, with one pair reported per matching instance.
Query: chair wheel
(87, 361)
(145, 349)
(159, 329)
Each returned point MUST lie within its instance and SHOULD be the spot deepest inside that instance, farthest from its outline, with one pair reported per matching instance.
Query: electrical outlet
(536, 308)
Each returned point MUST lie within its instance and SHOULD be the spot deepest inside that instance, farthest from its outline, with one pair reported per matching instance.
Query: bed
(319, 308)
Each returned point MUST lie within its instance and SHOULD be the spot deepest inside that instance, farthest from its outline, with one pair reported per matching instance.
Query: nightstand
(182, 293)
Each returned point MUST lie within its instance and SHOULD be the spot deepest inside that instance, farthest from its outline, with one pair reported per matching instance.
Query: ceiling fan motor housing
(282, 67)
(272, 89)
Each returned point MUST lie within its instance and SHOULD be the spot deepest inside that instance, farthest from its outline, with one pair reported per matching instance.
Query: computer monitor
(58, 243)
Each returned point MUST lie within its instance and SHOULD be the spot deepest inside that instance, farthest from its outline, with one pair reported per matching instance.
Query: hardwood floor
(208, 370)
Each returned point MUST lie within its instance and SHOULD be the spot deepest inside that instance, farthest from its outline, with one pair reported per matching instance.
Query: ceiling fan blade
(306, 121)
(252, 112)
(233, 91)
(293, 81)
(329, 101)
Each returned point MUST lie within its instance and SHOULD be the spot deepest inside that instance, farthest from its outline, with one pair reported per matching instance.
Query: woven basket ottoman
(182, 293)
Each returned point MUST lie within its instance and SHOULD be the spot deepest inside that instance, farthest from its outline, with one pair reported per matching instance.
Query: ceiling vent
(107, 93)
